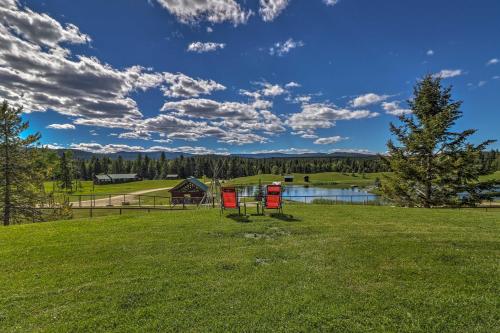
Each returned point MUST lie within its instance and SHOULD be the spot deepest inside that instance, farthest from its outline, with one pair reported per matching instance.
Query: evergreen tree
(66, 171)
(20, 168)
(433, 164)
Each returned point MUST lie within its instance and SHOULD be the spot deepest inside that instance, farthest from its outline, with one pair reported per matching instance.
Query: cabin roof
(193, 181)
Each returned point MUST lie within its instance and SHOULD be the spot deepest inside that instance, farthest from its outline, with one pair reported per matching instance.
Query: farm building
(116, 178)
(189, 191)
(172, 176)
(288, 179)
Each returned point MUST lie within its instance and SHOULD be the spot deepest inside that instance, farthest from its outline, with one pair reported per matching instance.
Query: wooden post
(139, 200)
(154, 201)
(80, 201)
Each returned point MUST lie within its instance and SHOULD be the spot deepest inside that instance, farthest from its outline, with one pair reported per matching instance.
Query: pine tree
(20, 168)
(433, 164)
(66, 171)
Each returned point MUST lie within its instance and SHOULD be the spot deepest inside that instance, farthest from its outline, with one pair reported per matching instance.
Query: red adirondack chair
(274, 199)
(229, 199)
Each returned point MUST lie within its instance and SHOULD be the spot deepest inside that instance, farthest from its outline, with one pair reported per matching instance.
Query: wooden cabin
(116, 178)
(288, 179)
(189, 191)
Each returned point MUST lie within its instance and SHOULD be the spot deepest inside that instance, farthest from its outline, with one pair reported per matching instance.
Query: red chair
(274, 198)
(229, 199)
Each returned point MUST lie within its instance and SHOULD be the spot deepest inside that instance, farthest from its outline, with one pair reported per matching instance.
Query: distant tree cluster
(232, 167)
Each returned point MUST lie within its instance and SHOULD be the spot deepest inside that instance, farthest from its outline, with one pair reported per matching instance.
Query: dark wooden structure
(288, 179)
(189, 191)
(306, 179)
(116, 178)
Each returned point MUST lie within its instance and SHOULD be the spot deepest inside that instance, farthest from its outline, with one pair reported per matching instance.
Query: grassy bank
(325, 178)
(342, 268)
(88, 188)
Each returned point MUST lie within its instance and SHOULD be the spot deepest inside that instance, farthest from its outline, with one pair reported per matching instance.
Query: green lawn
(494, 176)
(120, 188)
(324, 178)
(333, 269)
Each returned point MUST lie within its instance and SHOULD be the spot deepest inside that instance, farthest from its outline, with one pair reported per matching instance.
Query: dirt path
(116, 200)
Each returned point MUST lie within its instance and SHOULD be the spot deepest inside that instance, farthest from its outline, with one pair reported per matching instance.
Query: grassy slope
(494, 176)
(120, 188)
(333, 269)
(334, 178)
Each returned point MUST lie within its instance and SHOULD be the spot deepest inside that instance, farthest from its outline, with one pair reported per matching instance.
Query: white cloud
(282, 48)
(430, 52)
(331, 2)
(210, 109)
(214, 11)
(138, 135)
(449, 73)
(117, 148)
(481, 83)
(329, 140)
(62, 126)
(270, 9)
(181, 85)
(272, 90)
(287, 151)
(394, 108)
(38, 28)
(368, 99)
(200, 47)
(292, 85)
(493, 61)
(322, 115)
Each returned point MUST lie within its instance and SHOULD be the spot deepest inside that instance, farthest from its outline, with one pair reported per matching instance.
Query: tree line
(230, 166)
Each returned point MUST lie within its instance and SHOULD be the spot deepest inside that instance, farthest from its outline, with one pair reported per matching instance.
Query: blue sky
(242, 76)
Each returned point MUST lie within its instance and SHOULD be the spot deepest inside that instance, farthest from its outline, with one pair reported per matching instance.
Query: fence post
(139, 200)
(80, 201)
(109, 203)
(91, 211)
(154, 201)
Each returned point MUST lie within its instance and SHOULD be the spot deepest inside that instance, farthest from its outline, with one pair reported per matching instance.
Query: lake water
(307, 194)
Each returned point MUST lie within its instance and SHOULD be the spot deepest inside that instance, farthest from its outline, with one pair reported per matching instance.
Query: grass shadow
(238, 218)
(284, 217)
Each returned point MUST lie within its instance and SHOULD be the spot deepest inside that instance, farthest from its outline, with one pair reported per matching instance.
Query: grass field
(325, 178)
(124, 188)
(342, 268)
(494, 176)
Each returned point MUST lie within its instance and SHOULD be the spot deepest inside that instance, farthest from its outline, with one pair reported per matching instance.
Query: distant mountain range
(127, 155)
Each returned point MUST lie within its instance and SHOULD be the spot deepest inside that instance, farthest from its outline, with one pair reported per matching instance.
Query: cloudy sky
(205, 76)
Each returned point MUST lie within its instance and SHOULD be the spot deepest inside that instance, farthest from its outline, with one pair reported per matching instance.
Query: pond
(307, 194)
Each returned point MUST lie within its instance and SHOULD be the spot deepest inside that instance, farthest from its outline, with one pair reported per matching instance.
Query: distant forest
(234, 167)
